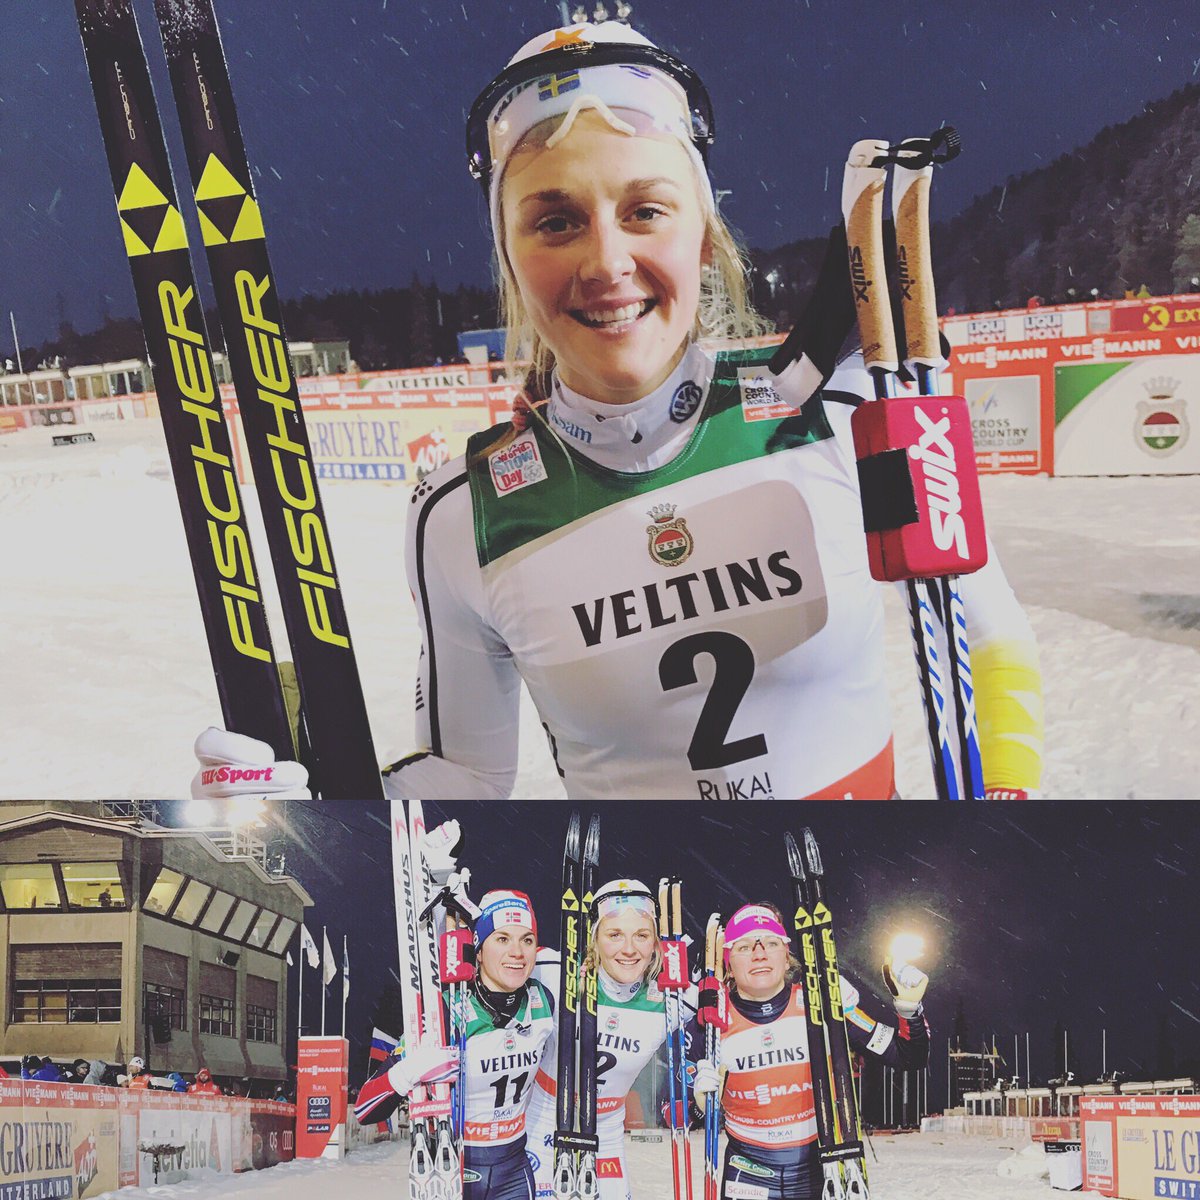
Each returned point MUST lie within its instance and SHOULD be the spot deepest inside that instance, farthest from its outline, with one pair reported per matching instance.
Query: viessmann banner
(1142, 1147)
(67, 1142)
(57, 1141)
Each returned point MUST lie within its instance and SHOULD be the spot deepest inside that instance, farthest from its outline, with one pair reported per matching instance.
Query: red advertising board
(322, 1077)
(1141, 1147)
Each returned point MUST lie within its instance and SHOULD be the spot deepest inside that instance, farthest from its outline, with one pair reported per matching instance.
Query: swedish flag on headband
(550, 86)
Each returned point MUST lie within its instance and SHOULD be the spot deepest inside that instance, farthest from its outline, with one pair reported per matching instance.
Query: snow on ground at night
(107, 677)
(912, 1167)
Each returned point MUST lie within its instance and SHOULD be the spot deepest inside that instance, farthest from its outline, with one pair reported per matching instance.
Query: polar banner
(1127, 417)
(1141, 1147)
(322, 1077)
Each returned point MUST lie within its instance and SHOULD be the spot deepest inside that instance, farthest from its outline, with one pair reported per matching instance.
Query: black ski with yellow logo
(189, 402)
(334, 730)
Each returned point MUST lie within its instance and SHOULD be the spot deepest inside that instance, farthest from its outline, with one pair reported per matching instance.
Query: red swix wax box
(674, 973)
(920, 489)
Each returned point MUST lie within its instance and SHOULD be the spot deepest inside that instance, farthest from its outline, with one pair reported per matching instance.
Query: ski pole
(917, 526)
(711, 1013)
(911, 185)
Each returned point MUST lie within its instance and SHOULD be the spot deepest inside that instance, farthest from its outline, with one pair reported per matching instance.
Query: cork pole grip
(862, 208)
(914, 262)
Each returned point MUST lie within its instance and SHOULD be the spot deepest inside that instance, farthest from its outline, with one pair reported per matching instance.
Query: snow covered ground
(912, 1167)
(107, 680)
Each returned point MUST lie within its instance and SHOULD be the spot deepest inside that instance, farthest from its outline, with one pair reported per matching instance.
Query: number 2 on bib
(733, 662)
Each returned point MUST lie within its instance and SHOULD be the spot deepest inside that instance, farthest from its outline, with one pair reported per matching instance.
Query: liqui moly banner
(322, 1077)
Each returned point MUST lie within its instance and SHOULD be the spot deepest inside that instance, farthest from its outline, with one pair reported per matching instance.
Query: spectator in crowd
(79, 1070)
(33, 1067)
(178, 1083)
(281, 1094)
(139, 1077)
(204, 1085)
(97, 1070)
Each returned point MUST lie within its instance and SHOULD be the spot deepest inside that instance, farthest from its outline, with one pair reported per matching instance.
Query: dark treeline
(1120, 212)
(1117, 214)
(387, 328)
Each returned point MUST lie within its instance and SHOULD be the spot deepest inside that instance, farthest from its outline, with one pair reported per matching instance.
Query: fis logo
(935, 452)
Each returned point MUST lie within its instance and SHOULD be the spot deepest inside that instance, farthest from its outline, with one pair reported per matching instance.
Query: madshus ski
(334, 732)
(189, 403)
(839, 1131)
(575, 1141)
(435, 1158)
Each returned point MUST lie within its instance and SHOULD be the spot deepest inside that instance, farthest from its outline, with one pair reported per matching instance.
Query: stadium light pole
(12, 316)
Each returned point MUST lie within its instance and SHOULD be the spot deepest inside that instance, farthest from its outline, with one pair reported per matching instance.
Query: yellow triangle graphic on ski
(172, 235)
(133, 244)
(249, 223)
(140, 191)
(216, 180)
(802, 919)
(209, 232)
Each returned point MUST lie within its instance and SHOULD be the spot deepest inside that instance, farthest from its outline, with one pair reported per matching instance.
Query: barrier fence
(1104, 388)
(62, 1141)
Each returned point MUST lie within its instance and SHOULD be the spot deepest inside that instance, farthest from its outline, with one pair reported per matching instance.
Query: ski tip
(572, 842)
(813, 853)
(591, 846)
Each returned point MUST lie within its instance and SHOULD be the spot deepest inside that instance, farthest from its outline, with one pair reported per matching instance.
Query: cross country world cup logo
(670, 541)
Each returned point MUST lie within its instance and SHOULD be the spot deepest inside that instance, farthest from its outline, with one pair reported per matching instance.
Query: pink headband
(752, 920)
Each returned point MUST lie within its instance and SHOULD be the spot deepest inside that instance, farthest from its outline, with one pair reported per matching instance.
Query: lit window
(240, 921)
(262, 927)
(192, 900)
(282, 936)
(93, 885)
(57, 1002)
(29, 886)
(217, 911)
(162, 894)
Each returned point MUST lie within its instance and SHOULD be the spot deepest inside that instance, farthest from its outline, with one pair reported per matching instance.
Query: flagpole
(300, 995)
(324, 985)
(345, 983)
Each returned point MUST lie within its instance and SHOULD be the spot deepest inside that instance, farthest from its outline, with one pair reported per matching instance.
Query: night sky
(353, 114)
(1032, 913)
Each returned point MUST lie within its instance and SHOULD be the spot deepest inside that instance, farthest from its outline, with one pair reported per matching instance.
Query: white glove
(439, 849)
(849, 994)
(708, 1079)
(233, 765)
(424, 1063)
(907, 983)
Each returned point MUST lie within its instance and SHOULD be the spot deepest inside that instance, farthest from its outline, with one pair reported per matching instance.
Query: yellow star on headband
(563, 38)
